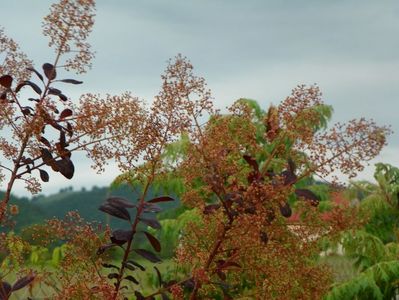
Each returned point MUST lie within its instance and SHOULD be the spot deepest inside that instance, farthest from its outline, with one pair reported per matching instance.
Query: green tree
(375, 248)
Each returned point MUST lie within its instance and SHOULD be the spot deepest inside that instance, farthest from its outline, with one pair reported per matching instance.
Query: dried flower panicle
(240, 171)
(68, 26)
(39, 131)
(242, 184)
(14, 61)
(77, 275)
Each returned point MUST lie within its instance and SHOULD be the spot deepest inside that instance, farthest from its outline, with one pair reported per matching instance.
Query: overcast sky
(253, 49)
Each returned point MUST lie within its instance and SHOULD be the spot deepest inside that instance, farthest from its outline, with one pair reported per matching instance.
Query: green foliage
(176, 150)
(387, 177)
(56, 256)
(359, 189)
(324, 112)
(325, 206)
(341, 266)
(377, 282)
(379, 202)
(258, 112)
(172, 230)
(365, 248)
(169, 184)
(375, 249)
(39, 255)
(382, 218)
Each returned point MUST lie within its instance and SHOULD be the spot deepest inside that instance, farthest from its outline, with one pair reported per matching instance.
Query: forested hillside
(39, 208)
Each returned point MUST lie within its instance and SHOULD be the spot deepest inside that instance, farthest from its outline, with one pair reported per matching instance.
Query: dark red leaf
(121, 236)
(47, 157)
(147, 255)
(286, 210)
(22, 282)
(5, 290)
(6, 81)
(161, 199)
(151, 207)
(55, 125)
(54, 166)
(308, 195)
(252, 162)
(120, 202)
(27, 160)
(109, 266)
(151, 222)
(69, 129)
(65, 153)
(44, 175)
(229, 264)
(132, 262)
(49, 71)
(73, 81)
(54, 91)
(289, 177)
(132, 279)
(113, 275)
(234, 197)
(26, 111)
(189, 284)
(254, 176)
(211, 208)
(119, 212)
(153, 240)
(34, 86)
(36, 72)
(291, 165)
(159, 276)
(129, 266)
(62, 140)
(63, 97)
(139, 296)
(45, 141)
(104, 248)
(65, 113)
(65, 167)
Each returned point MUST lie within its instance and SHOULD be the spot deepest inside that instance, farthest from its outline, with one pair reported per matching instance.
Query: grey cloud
(256, 49)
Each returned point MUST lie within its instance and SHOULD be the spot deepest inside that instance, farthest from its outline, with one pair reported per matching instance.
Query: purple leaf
(120, 202)
(161, 199)
(22, 282)
(148, 255)
(49, 71)
(151, 222)
(154, 241)
(6, 81)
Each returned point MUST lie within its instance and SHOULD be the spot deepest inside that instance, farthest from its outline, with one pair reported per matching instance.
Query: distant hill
(39, 208)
